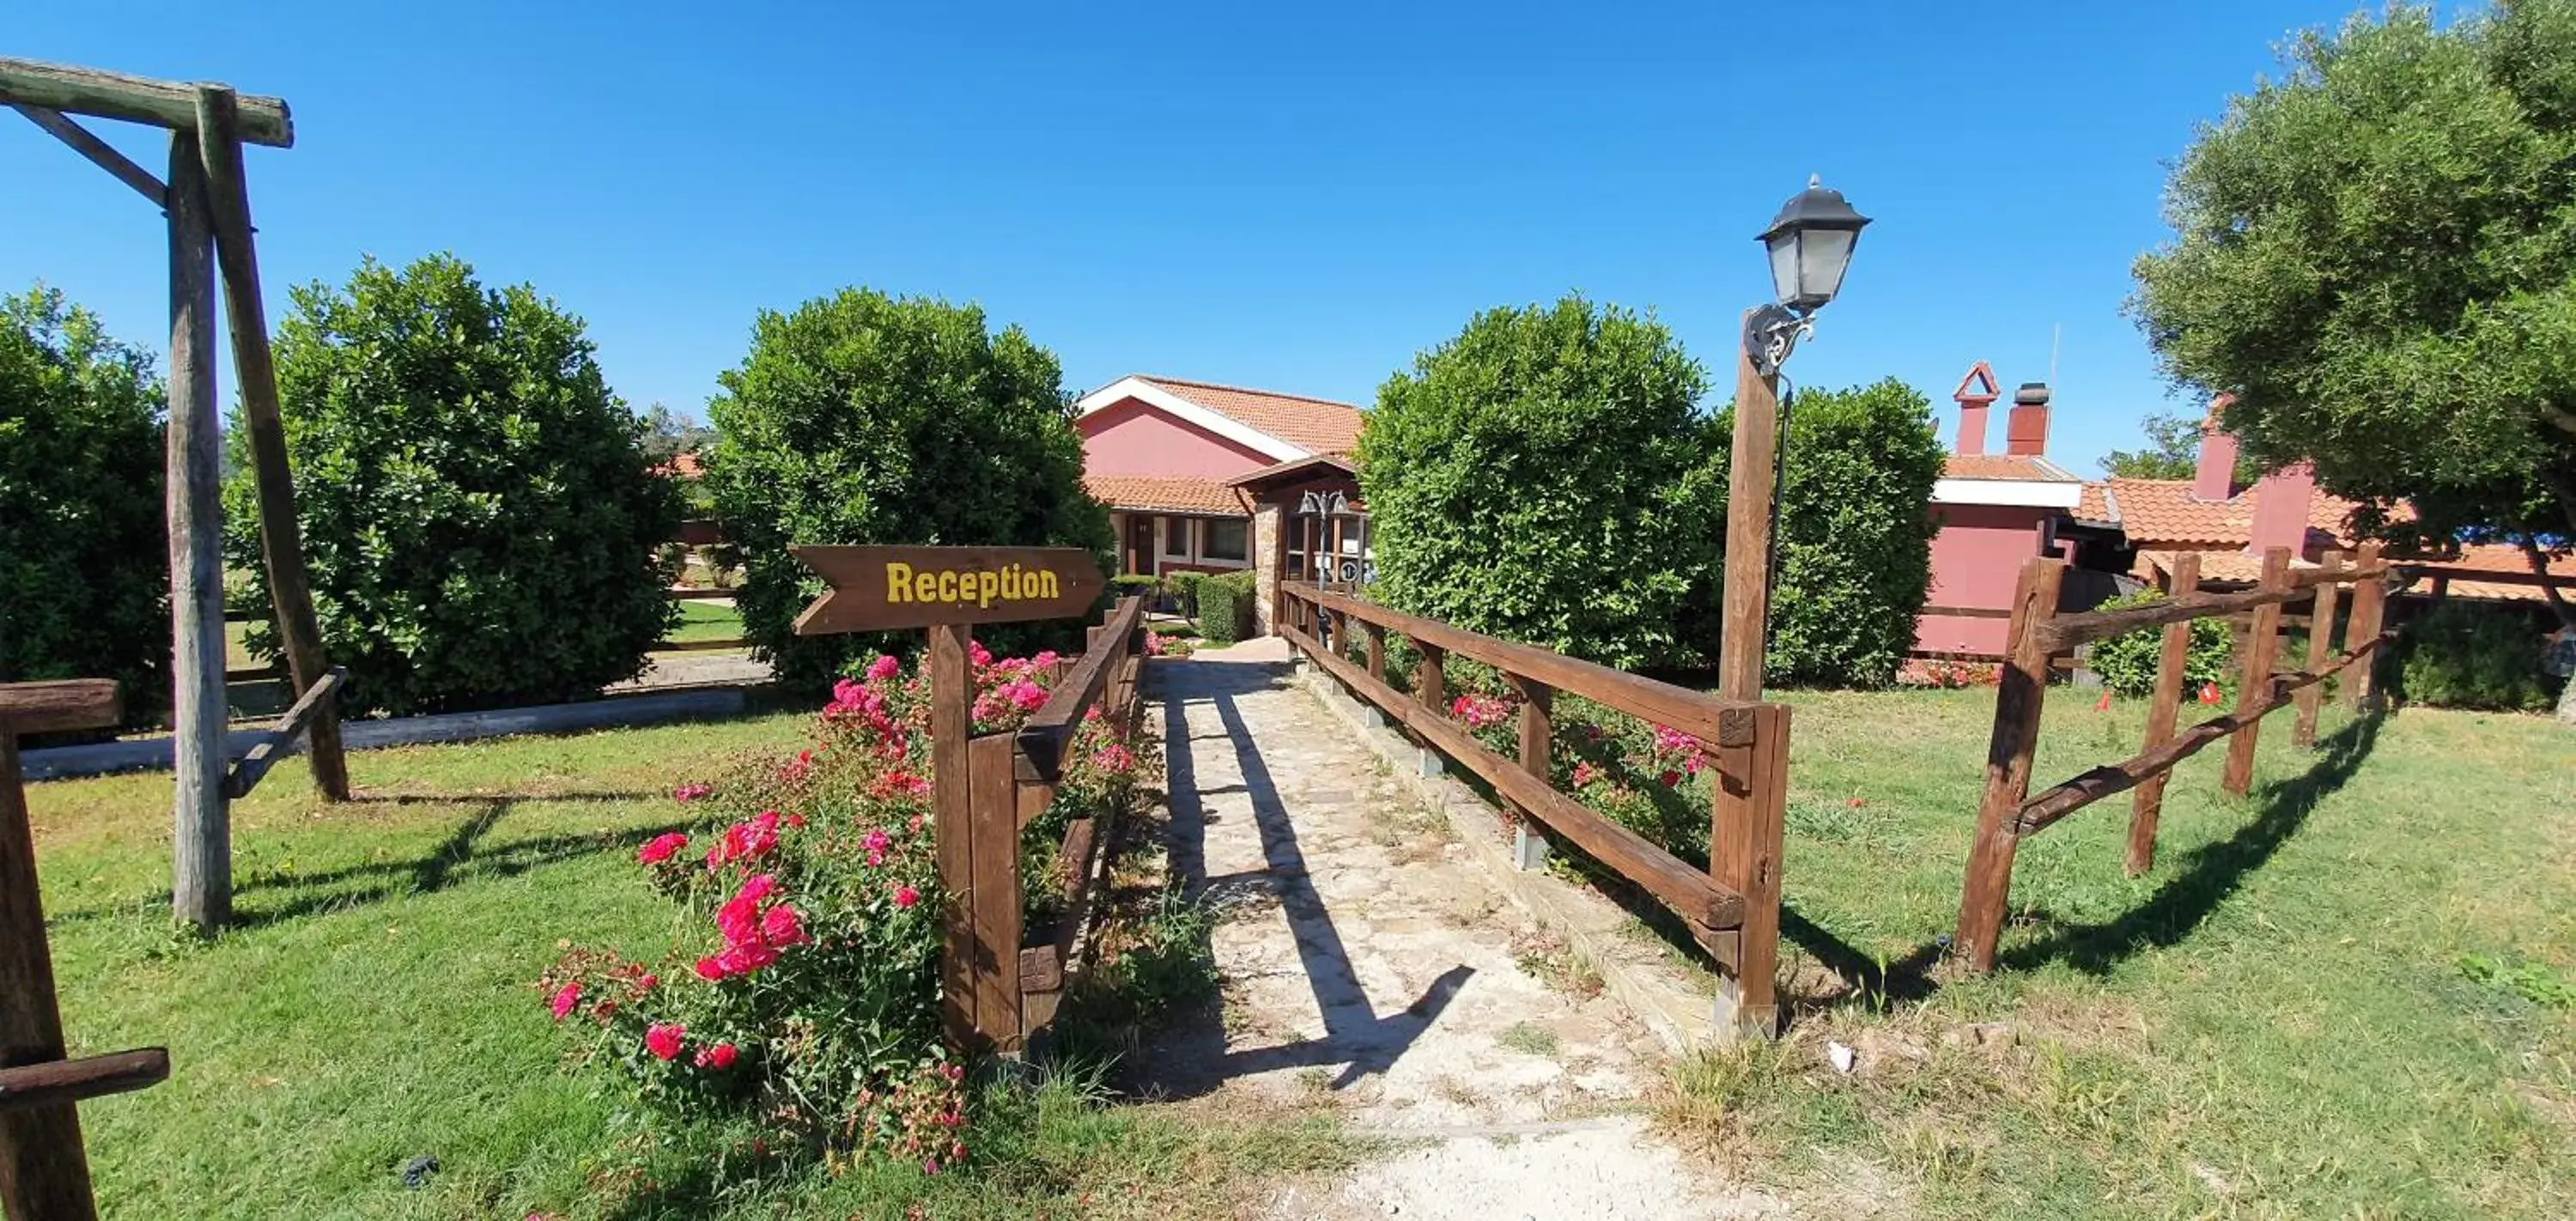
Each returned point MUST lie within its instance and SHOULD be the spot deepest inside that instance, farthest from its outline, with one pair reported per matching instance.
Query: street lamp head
(1811, 246)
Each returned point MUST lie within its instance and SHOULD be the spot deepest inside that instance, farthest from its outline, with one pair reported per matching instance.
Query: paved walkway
(1369, 964)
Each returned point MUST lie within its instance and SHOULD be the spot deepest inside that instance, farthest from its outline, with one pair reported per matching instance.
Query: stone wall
(1265, 564)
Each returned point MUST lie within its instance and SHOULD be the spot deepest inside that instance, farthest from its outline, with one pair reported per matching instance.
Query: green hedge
(1225, 606)
(2127, 662)
(2464, 655)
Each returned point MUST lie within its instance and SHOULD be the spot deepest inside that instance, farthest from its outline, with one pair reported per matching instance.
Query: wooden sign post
(946, 589)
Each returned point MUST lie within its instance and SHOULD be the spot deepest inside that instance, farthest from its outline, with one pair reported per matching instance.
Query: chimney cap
(2031, 394)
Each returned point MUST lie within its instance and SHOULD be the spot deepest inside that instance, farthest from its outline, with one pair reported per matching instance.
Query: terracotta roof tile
(1161, 495)
(2005, 466)
(2162, 513)
(1316, 425)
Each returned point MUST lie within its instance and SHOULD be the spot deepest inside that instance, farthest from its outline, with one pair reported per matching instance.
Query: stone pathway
(1370, 965)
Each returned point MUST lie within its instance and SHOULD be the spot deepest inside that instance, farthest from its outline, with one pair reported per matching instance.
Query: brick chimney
(2215, 476)
(1976, 393)
(2281, 501)
(2026, 429)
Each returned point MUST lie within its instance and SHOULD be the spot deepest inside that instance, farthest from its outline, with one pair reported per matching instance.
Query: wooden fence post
(1538, 747)
(996, 894)
(2019, 696)
(2262, 650)
(281, 536)
(2321, 617)
(2369, 609)
(1376, 650)
(1747, 818)
(43, 1170)
(201, 841)
(1431, 679)
(2162, 711)
(952, 686)
(1746, 594)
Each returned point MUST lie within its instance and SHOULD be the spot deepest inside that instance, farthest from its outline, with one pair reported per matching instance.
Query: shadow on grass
(460, 857)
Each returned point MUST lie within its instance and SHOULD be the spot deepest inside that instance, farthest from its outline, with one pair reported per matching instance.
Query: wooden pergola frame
(206, 199)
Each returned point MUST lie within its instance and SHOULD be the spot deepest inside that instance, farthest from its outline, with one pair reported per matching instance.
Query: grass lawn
(2275, 1022)
(376, 1004)
(706, 621)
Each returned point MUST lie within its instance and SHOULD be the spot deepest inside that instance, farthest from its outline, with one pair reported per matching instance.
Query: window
(1228, 538)
(1176, 537)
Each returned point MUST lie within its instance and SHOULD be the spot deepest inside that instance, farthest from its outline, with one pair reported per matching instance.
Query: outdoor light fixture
(1322, 506)
(1810, 242)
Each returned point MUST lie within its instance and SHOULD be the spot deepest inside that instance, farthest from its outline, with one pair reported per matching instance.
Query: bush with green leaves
(83, 543)
(2464, 655)
(1545, 476)
(1224, 606)
(479, 516)
(2127, 662)
(865, 418)
(1854, 540)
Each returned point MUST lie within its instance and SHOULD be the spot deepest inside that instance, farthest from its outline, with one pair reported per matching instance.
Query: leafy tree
(2376, 254)
(83, 543)
(1854, 545)
(2172, 452)
(864, 418)
(477, 509)
(668, 434)
(1545, 476)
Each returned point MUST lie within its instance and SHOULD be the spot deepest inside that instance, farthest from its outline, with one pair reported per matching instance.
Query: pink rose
(780, 926)
(661, 847)
(906, 896)
(565, 999)
(718, 1057)
(883, 668)
(663, 1040)
(691, 792)
(878, 841)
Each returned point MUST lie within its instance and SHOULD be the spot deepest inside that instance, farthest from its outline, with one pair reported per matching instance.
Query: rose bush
(806, 991)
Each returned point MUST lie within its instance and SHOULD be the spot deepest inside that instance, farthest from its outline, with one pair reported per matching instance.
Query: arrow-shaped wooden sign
(880, 588)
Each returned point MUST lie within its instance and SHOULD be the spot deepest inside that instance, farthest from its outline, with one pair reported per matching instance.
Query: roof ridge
(1276, 394)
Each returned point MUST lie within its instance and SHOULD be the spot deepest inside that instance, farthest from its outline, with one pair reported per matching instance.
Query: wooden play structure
(206, 200)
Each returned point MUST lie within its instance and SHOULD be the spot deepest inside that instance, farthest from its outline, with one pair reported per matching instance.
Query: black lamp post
(1810, 244)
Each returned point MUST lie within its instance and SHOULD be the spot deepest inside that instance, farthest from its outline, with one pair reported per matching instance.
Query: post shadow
(1354, 1035)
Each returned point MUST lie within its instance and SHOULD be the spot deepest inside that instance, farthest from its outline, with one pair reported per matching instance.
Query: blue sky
(1294, 197)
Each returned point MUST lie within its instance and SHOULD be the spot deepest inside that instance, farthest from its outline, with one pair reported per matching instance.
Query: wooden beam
(1694, 895)
(2369, 611)
(2058, 802)
(100, 152)
(135, 99)
(47, 707)
(2262, 654)
(43, 1171)
(2019, 694)
(2066, 632)
(952, 687)
(1713, 719)
(2440, 572)
(63, 1082)
(201, 843)
(281, 537)
(2320, 647)
(299, 720)
(2163, 710)
(1044, 735)
(1745, 628)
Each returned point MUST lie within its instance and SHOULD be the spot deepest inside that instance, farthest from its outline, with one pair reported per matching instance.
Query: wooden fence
(2039, 633)
(44, 1171)
(998, 988)
(1732, 908)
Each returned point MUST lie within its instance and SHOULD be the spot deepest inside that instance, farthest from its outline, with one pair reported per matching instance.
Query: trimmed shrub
(1544, 477)
(84, 558)
(1855, 538)
(478, 513)
(2463, 655)
(2127, 662)
(865, 418)
(1225, 607)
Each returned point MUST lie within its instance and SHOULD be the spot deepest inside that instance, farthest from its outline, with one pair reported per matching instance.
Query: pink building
(1192, 472)
(1995, 511)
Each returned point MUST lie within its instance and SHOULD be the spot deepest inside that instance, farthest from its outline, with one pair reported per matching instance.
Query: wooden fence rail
(1732, 908)
(998, 989)
(2039, 633)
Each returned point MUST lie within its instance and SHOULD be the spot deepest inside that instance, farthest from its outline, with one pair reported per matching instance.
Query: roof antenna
(2056, 331)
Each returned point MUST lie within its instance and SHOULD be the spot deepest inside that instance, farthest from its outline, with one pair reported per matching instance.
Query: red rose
(709, 969)
(663, 1040)
(661, 848)
(718, 1057)
(906, 896)
(565, 999)
(780, 926)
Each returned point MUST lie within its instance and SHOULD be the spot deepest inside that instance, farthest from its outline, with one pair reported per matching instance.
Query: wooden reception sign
(879, 588)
